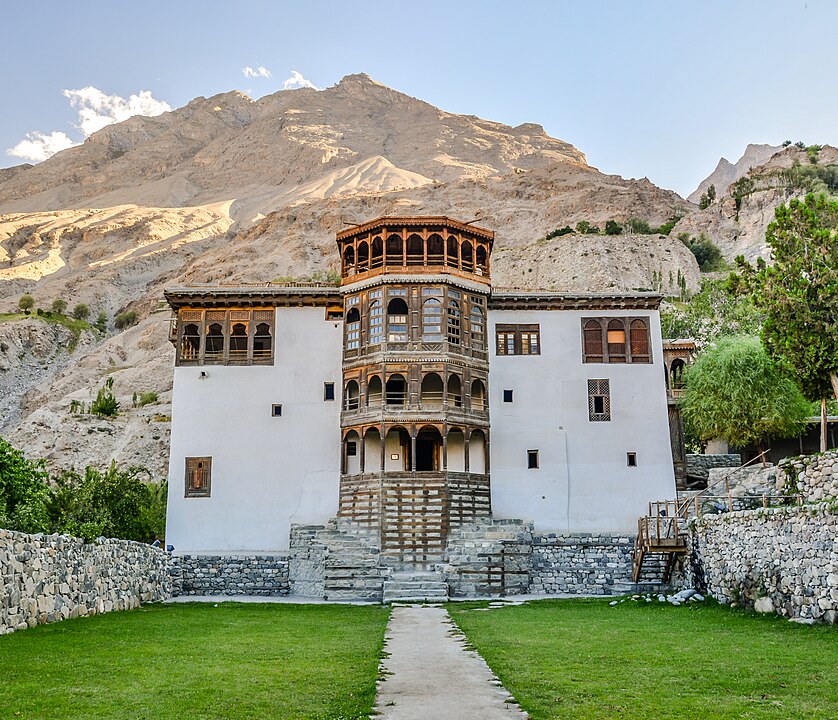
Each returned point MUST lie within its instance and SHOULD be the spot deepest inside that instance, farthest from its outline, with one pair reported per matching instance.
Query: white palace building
(404, 407)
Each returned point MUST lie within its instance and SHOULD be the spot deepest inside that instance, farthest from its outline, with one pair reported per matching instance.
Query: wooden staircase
(661, 539)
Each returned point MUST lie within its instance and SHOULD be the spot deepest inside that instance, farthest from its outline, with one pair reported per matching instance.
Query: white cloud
(96, 110)
(298, 81)
(37, 146)
(260, 71)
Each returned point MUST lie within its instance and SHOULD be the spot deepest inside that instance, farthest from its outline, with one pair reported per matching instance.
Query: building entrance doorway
(428, 450)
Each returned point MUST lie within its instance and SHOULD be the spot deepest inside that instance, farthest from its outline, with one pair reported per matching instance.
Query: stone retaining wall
(813, 476)
(265, 575)
(699, 465)
(579, 564)
(780, 559)
(46, 578)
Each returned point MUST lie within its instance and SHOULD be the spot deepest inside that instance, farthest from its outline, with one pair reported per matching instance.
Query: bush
(707, 254)
(26, 303)
(144, 398)
(81, 312)
(105, 404)
(585, 228)
(23, 492)
(612, 227)
(639, 227)
(566, 230)
(101, 323)
(58, 306)
(125, 319)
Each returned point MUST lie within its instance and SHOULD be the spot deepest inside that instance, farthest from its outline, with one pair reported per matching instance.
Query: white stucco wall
(583, 483)
(267, 472)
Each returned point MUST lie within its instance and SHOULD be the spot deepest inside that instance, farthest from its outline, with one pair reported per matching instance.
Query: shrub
(101, 323)
(585, 228)
(125, 319)
(566, 230)
(707, 254)
(639, 227)
(26, 303)
(105, 404)
(59, 305)
(81, 312)
(23, 492)
(612, 227)
(144, 398)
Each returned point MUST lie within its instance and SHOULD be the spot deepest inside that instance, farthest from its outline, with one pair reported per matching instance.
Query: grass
(75, 326)
(581, 659)
(197, 661)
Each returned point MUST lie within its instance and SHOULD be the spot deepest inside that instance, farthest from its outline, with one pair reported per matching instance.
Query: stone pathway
(428, 673)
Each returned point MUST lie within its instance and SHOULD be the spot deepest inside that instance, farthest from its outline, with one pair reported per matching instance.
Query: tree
(81, 312)
(101, 323)
(23, 491)
(708, 198)
(707, 254)
(736, 391)
(59, 306)
(799, 293)
(612, 227)
(583, 227)
(26, 303)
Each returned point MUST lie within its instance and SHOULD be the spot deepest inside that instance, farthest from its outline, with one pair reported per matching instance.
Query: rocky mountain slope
(233, 189)
(727, 173)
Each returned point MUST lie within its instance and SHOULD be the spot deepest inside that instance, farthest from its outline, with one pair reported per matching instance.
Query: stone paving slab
(427, 672)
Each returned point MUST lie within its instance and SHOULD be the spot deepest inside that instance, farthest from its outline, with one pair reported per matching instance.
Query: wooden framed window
(616, 340)
(432, 320)
(478, 330)
(237, 336)
(518, 340)
(599, 401)
(376, 322)
(198, 476)
(453, 322)
(353, 329)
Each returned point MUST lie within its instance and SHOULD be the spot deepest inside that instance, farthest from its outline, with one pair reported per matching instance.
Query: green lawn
(581, 659)
(196, 661)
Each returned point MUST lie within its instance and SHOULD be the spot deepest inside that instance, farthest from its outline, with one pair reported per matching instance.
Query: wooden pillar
(383, 447)
(361, 451)
(413, 448)
(466, 443)
(404, 247)
(445, 445)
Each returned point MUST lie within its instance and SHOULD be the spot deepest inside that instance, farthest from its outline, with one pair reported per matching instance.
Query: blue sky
(656, 89)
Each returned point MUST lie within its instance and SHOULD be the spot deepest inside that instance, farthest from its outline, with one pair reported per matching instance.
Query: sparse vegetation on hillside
(707, 254)
(126, 319)
(105, 404)
(26, 303)
(59, 306)
(707, 198)
(81, 312)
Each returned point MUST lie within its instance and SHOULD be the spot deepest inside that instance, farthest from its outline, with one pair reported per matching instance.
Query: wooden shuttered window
(616, 340)
(198, 476)
(518, 340)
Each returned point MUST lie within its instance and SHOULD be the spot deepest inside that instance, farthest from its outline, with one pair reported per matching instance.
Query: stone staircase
(415, 587)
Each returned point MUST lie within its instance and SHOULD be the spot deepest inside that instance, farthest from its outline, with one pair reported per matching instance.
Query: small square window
(276, 410)
(351, 447)
(198, 475)
(329, 391)
(507, 396)
(631, 459)
(532, 459)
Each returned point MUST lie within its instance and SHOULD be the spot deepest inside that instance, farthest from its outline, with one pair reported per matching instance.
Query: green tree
(612, 227)
(59, 305)
(101, 323)
(707, 254)
(81, 312)
(583, 227)
(116, 503)
(799, 293)
(708, 198)
(735, 391)
(105, 404)
(23, 492)
(26, 303)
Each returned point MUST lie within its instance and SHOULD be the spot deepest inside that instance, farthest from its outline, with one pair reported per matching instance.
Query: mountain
(238, 190)
(727, 173)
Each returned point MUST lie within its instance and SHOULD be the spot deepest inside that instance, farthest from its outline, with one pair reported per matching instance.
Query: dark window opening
(428, 447)
(507, 396)
(631, 459)
(532, 459)
(599, 404)
(329, 391)
(351, 447)
(276, 410)
(599, 400)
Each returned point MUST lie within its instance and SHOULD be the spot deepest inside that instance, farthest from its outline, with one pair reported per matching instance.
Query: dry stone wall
(815, 477)
(783, 560)
(264, 575)
(580, 564)
(46, 578)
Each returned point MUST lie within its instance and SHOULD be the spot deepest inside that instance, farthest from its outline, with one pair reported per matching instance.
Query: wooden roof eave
(271, 296)
(573, 301)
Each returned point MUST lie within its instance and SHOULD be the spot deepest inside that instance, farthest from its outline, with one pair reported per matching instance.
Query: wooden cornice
(413, 221)
(536, 300)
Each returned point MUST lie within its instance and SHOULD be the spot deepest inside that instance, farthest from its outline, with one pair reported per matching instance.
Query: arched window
(375, 393)
(478, 395)
(353, 329)
(432, 320)
(415, 250)
(238, 341)
(351, 454)
(432, 390)
(262, 341)
(676, 373)
(468, 256)
(482, 256)
(377, 252)
(395, 250)
(351, 396)
(436, 249)
(478, 329)
(455, 391)
(453, 322)
(397, 320)
(190, 342)
(395, 391)
(349, 260)
(593, 351)
(215, 341)
(376, 322)
(452, 253)
(616, 341)
(363, 257)
(639, 340)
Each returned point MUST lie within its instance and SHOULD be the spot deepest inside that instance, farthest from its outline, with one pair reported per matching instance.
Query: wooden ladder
(660, 540)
